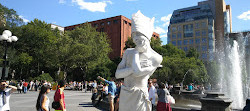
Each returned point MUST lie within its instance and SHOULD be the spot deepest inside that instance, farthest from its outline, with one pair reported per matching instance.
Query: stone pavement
(75, 101)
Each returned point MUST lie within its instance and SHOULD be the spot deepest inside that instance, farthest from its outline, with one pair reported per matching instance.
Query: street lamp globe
(14, 38)
(9, 40)
(7, 32)
(4, 37)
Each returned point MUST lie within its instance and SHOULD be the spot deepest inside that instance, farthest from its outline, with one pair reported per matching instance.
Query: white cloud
(159, 30)
(24, 19)
(92, 6)
(164, 35)
(166, 19)
(245, 15)
(62, 1)
(165, 24)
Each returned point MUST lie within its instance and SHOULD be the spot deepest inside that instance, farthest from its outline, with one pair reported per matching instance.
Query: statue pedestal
(215, 101)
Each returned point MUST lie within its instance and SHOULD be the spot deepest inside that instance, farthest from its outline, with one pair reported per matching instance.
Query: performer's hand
(99, 77)
(145, 63)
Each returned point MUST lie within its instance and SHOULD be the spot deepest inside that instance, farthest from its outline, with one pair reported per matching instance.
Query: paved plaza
(75, 101)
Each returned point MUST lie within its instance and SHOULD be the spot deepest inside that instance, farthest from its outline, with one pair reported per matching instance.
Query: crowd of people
(102, 90)
(111, 91)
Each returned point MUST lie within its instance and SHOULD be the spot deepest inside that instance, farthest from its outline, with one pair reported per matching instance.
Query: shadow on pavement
(89, 104)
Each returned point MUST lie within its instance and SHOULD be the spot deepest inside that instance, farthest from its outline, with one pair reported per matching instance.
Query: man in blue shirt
(111, 91)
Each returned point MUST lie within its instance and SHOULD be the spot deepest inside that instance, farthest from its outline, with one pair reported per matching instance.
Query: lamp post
(6, 38)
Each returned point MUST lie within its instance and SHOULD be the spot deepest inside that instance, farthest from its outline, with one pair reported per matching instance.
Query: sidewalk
(75, 101)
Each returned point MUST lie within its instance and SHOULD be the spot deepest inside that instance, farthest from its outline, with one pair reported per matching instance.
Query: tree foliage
(192, 52)
(129, 43)
(10, 18)
(213, 72)
(45, 76)
(176, 64)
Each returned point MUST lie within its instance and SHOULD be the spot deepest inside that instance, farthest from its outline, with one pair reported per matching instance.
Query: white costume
(137, 65)
(6, 105)
(152, 92)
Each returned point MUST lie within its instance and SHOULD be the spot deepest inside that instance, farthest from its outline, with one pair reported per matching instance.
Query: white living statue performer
(137, 65)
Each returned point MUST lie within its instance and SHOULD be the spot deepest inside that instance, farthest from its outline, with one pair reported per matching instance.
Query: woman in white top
(42, 103)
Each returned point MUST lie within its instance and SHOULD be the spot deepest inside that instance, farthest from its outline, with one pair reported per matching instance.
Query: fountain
(233, 71)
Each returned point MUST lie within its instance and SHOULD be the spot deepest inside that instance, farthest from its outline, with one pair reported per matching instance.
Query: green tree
(38, 41)
(45, 76)
(213, 71)
(176, 64)
(88, 49)
(10, 18)
(192, 52)
(129, 43)
(155, 42)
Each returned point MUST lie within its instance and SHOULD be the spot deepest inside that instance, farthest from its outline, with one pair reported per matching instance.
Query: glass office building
(194, 27)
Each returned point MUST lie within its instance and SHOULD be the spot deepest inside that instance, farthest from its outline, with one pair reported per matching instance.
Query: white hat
(143, 24)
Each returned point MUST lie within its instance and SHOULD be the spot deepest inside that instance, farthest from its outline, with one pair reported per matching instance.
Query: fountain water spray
(233, 72)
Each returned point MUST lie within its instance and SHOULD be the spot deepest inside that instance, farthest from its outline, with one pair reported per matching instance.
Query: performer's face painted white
(140, 41)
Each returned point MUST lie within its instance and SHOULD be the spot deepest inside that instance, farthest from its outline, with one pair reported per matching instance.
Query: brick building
(118, 29)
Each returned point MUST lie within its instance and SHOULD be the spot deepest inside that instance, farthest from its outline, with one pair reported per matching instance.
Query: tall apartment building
(202, 27)
(118, 29)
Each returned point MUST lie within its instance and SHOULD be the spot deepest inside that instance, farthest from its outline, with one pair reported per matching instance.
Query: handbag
(171, 99)
(55, 105)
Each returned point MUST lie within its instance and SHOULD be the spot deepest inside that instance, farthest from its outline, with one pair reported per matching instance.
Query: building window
(203, 24)
(190, 12)
(191, 41)
(125, 22)
(102, 24)
(179, 28)
(115, 21)
(204, 40)
(188, 30)
(174, 43)
(197, 41)
(95, 25)
(197, 33)
(108, 22)
(204, 48)
(204, 33)
(102, 30)
(179, 35)
(197, 26)
(185, 49)
(173, 29)
(210, 47)
(185, 42)
(210, 35)
(204, 56)
(179, 42)
(173, 36)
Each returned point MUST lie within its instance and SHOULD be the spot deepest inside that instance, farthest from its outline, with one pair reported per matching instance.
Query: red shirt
(25, 84)
(59, 96)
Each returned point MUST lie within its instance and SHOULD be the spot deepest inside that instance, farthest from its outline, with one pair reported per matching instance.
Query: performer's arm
(123, 71)
(137, 70)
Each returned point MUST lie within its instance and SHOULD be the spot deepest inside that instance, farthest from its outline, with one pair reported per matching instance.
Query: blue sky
(70, 12)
